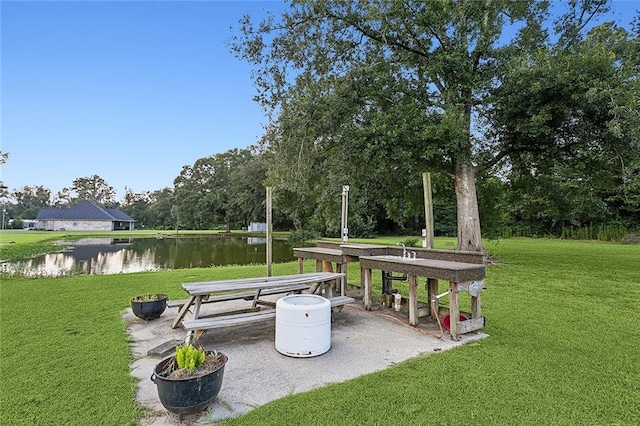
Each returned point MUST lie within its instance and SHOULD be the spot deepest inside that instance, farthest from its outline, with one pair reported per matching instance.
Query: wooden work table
(459, 275)
(325, 257)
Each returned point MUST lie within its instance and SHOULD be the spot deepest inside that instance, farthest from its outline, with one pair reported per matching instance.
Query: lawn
(564, 348)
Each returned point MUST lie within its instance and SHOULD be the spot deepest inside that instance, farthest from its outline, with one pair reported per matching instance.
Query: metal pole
(269, 229)
(345, 213)
(4, 211)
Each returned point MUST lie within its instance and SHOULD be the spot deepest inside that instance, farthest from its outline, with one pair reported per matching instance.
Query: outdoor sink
(396, 258)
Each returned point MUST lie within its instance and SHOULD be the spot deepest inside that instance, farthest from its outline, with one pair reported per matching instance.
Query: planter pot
(187, 395)
(150, 309)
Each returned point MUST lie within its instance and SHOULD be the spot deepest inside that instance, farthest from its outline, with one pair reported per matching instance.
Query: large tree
(94, 188)
(407, 80)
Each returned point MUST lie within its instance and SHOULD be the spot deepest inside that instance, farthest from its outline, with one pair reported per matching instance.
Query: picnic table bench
(248, 289)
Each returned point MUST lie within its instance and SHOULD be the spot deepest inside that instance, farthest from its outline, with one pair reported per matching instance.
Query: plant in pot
(149, 306)
(190, 380)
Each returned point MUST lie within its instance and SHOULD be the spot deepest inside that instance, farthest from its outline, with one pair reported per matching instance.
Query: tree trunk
(469, 237)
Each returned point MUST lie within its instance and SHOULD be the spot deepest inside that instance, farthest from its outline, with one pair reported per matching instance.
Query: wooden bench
(202, 324)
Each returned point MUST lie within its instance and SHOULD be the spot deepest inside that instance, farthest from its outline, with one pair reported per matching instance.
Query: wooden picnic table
(246, 288)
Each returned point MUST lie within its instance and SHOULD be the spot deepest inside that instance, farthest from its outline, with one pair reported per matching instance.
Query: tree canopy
(379, 91)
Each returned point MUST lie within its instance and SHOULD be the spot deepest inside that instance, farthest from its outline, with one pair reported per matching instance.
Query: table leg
(454, 311)
(300, 265)
(475, 307)
(413, 300)
(343, 280)
(318, 265)
(182, 312)
(432, 291)
(366, 276)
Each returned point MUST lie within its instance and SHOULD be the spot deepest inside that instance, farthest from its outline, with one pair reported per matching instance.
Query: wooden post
(428, 209)
(454, 311)
(432, 291)
(269, 230)
(413, 300)
(300, 265)
(366, 276)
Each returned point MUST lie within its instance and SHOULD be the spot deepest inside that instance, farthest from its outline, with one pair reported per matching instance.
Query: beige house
(86, 216)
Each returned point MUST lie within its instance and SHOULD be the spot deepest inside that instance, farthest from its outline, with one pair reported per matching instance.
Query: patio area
(362, 342)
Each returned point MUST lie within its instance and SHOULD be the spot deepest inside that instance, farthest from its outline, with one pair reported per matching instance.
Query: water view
(92, 256)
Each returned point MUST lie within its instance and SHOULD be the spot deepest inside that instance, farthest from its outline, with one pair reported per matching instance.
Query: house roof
(86, 210)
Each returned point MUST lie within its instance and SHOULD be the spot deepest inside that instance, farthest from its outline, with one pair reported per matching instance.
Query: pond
(93, 256)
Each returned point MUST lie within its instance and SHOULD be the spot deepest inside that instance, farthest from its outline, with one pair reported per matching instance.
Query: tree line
(227, 191)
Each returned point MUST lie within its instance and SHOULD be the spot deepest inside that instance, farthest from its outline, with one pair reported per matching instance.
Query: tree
(4, 157)
(30, 200)
(94, 188)
(406, 78)
(223, 188)
(570, 117)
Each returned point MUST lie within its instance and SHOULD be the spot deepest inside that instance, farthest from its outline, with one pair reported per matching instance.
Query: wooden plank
(469, 325)
(341, 300)
(182, 312)
(300, 265)
(365, 274)
(221, 320)
(257, 279)
(196, 289)
(413, 300)
(218, 322)
(221, 298)
(454, 311)
(432, 285)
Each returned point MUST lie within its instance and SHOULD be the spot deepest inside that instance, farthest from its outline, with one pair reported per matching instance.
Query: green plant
(189, 357)
(411, 241)
(146, 298)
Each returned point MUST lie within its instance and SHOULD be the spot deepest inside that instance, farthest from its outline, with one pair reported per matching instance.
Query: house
(86, 216)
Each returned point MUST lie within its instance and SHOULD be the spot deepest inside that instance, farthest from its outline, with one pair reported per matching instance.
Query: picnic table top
(208, 287)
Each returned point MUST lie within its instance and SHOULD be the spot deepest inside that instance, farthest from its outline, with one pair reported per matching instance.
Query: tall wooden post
(269, 230)
(428, 209)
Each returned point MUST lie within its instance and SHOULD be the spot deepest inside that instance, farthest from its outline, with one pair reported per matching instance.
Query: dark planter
(191, 394)
(148, 310)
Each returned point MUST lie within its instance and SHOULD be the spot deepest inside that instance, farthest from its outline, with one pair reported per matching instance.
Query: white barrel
(303, 325)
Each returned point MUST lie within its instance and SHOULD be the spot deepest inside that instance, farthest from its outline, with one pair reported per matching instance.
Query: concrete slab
(362, 342)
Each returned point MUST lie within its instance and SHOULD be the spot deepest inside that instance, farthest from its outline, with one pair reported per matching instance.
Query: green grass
(564, 348)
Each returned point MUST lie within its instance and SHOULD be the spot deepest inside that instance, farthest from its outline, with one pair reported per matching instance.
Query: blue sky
(129, 91)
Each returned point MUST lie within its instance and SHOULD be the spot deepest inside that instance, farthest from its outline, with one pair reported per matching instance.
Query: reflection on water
(113, 256)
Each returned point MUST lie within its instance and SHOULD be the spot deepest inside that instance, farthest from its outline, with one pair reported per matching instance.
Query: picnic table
(249, 289)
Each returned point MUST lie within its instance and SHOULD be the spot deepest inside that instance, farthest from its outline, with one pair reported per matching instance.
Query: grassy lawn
(564, 348)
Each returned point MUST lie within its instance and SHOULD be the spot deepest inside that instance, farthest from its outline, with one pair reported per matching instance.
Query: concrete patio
(362, 342)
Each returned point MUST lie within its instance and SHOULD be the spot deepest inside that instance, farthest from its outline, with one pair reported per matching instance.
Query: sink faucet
(404, 249)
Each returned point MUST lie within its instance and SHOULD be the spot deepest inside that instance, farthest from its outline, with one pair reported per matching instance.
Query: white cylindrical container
(398, 301)
(303, 325)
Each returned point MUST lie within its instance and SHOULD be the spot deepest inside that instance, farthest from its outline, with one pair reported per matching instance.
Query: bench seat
(247, 317)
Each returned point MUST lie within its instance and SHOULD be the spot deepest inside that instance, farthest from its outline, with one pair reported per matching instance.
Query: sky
(130, 91)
